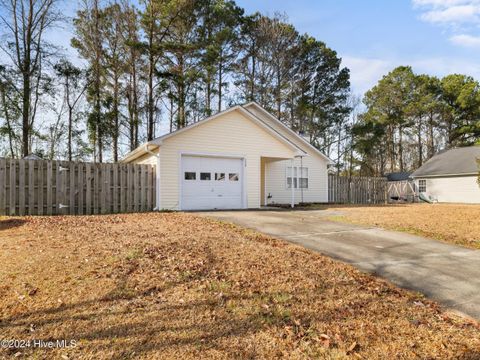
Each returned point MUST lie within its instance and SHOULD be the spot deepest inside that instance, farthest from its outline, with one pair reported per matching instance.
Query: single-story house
(240, 158)
(450, 176)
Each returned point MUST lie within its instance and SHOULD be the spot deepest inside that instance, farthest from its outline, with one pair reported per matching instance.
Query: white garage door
(211, 183)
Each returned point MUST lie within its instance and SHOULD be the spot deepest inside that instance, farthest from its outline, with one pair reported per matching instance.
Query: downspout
(157, 195)
(298, 181)
(292, 183)
(298, 178)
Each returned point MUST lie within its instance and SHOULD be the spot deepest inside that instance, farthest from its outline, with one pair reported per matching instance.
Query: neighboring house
(240, 158)
(32, 157)
(451, 176)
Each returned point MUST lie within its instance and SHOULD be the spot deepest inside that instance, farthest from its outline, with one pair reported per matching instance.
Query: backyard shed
(240, 158)
(450, 176)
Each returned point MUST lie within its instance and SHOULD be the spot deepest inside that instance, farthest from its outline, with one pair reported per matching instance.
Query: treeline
(158, 66)
(410, 117)
(148, 67)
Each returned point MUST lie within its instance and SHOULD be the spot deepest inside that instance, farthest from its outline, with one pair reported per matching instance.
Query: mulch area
(173, 285)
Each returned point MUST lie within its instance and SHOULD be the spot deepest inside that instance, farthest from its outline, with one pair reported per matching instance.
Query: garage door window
(233, 176)
(205, 176)
(219, 176)
(190, 175)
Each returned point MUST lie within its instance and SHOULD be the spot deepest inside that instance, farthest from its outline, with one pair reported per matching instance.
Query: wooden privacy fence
(38, 187)
(357, 190)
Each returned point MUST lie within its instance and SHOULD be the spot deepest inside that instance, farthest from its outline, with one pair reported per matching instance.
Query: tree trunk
(279, 95)
(26, 115)
(252, 82)
(150, 103)
(431, 140)
(220, 79)
(70, 125)
(70, 118)
(116, 129)
(419, 144)
(171, 113)
(209, 96)
(400, 147)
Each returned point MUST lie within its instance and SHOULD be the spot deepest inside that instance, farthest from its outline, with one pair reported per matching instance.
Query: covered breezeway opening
(264, 174)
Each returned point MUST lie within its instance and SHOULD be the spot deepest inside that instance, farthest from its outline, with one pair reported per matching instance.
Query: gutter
(442, 175)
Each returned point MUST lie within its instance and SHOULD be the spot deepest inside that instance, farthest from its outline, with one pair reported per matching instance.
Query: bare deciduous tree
(25, 23)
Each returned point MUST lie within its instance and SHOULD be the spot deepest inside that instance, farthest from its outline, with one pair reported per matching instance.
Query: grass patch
(452, 223)
(173, 285)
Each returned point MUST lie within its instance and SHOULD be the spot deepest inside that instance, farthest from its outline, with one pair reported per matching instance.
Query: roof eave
(318, 152)
(443, 175)
(140, 151)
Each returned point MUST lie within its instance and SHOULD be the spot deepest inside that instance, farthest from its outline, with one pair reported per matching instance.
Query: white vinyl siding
(234, 135)
(229, 135)
(275, 172)
(453, 189)
(278, 190)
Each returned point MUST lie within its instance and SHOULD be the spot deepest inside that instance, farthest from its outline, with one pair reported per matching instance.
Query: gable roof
(288, 130)
(459, 161)
(155, 143)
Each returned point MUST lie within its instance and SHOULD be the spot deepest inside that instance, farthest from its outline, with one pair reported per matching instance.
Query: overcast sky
(437, 37)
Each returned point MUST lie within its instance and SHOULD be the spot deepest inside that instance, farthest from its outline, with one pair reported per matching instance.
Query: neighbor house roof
(459, 161)
(155, 143)
(398, 176)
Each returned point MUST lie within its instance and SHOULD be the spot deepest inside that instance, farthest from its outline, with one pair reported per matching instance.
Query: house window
(422, 186)
(205, 176)
(219, 176)
(233, 176)
(300, 177)
(190, 175)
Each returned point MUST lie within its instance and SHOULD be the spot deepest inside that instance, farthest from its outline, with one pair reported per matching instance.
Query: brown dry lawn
(179, 286)
(453, 223)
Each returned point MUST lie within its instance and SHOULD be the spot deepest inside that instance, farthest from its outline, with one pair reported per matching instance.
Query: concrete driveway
(446, 273)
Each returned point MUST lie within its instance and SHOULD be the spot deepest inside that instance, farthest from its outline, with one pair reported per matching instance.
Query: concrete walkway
(446, 273)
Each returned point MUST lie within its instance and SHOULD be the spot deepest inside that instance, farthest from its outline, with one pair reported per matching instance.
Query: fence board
(88, 188)
(38, 187)
(356, 190)
(115, 184)
(3, 187)
(80, 188)
(13, 188)
(122, 191)
(49, 199)
(31, 187)
(21, 185)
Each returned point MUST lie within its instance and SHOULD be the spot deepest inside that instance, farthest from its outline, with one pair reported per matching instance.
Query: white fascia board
(139, 151)
(443, 175)
(244, 112)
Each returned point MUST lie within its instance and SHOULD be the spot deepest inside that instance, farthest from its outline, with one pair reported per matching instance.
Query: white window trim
(297, 177)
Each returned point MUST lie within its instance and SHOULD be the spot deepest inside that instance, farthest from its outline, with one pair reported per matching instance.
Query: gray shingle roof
(451, 162)
(398, 176)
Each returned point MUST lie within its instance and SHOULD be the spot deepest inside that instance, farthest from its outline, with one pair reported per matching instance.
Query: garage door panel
(211, 183)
